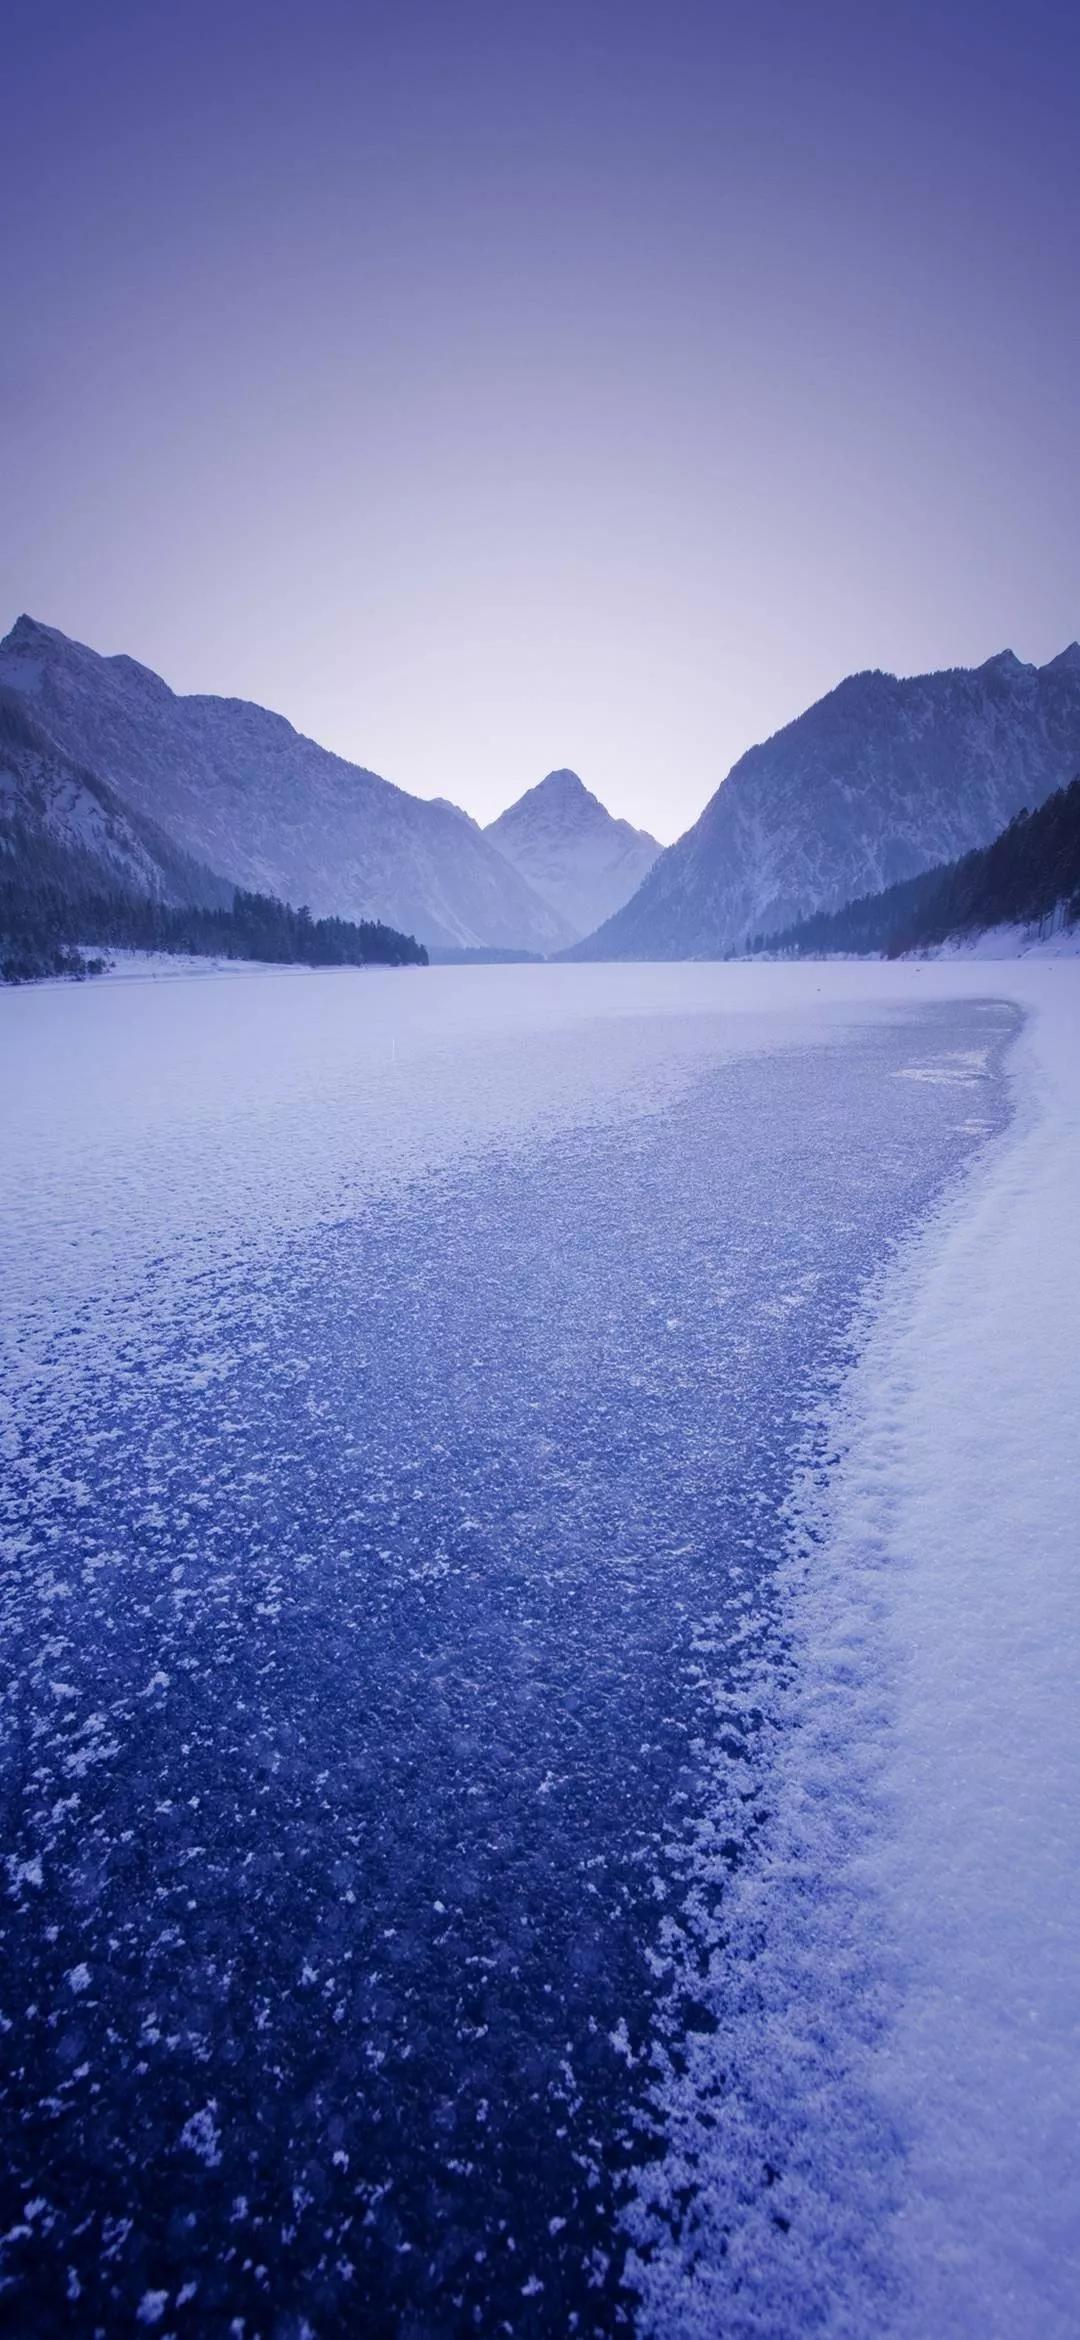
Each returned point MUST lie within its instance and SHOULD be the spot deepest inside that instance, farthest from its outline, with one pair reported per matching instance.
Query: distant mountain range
(881, 779)
(224, 786)
(184, 798)
(581, 862)
(235, 788)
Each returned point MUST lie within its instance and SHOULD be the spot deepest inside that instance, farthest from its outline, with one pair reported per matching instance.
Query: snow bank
(1042, 941)
(965, 1458)
(871, 2125)
(159, 965)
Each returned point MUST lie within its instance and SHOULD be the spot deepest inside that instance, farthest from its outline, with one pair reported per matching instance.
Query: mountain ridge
(881, 778)
(236, 786)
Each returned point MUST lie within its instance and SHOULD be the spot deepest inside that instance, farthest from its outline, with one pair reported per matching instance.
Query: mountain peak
(234, 787)
(569, 783)
(1066, 662)
(562, 788)
(580, 860)
(30, 641)
(876, 782)
(1005, 662)
(29, 634)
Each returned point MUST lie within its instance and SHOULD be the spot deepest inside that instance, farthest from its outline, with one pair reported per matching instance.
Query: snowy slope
(63, 822)
(238, 788)
(581, 861)
(881, 779)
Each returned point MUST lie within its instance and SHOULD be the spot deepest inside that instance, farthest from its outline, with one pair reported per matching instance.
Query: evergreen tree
(52, 906)
(1029, 875)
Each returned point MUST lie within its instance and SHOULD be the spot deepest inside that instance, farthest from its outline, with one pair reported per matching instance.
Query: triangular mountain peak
(1005, 662)
(28, 634)
(561, 786)
(562, 777)
(572, 851)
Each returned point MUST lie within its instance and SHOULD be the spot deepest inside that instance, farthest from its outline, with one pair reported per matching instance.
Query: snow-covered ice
(524, 1488)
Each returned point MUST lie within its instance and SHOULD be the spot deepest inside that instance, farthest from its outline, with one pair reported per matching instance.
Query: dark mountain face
(878, 781)
(62, 824)
(582, 861)
(236, 787)
(1028, 878)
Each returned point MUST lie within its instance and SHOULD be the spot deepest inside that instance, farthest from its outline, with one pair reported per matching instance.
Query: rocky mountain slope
(582, 861)
(1029, 877)
(881, 779)
(64, 825)
(236, 787)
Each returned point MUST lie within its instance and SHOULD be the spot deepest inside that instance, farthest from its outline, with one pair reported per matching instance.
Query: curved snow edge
(964, 1414)
(878, 2138)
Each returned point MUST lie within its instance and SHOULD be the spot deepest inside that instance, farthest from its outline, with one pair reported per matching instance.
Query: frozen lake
(405, 1378)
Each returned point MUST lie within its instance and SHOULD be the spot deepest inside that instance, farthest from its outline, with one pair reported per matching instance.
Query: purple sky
(493, 387)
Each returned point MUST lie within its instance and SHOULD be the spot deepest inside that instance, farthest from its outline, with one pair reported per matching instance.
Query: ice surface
(155, 1125)
(420, 1716)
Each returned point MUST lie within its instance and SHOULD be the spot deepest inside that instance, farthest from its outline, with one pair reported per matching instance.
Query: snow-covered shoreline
(908, 2052)
(961, 1472)
(164, 966)
(123, 966)
(1047, 940)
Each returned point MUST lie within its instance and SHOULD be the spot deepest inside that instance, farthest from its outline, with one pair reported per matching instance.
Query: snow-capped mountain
(879, 780)
(575, 855)
(239, 789)
(64, 825)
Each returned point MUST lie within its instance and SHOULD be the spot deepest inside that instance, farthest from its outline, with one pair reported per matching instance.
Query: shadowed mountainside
(881, 779)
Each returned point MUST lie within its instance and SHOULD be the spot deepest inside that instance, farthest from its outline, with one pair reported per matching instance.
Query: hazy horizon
(490, 392)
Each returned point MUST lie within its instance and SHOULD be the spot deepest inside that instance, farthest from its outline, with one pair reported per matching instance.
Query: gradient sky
(493, 387)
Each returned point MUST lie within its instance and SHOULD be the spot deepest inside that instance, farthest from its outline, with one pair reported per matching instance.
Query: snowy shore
(159, 966)
(996, 943)
(908, 2054)
(962, 1467)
